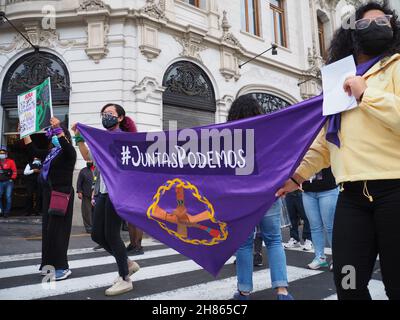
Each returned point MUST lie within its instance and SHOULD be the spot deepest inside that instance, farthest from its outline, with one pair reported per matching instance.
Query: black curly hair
(244, 107)
(343, 43)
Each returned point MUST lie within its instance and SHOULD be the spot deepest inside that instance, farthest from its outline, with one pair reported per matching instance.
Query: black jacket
(85, 181)
(323, 181)
(62, 167)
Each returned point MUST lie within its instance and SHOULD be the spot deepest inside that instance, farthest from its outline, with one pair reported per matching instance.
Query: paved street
(164, 274)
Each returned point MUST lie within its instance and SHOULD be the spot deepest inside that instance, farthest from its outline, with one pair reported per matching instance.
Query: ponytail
(128, 125)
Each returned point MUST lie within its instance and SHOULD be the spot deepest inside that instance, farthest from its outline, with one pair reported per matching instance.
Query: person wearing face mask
(8, 174)
(55, 175)
(33, 201)
(362, 146)
(84, 191)
(106, 230)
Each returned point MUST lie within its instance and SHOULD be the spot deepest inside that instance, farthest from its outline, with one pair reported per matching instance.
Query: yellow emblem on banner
(183, 219)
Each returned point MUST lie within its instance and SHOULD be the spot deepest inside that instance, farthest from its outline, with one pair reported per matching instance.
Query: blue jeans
(320, 210)
(6, 187)
(270, 226)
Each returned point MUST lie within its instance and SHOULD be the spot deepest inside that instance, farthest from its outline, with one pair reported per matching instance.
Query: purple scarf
(50, 132)
(47, 162)
(335, 120)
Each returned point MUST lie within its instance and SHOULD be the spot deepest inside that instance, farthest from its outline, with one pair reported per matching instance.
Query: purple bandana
(47, 162)
(50, 132)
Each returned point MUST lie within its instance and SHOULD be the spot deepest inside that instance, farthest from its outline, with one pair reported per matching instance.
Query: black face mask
(109, 121)
(375, 39)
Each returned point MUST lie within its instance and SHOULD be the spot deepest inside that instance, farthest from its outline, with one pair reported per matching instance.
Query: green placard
(35, 109)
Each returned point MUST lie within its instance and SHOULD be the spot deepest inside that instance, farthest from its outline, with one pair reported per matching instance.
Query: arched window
(189, 96)
(269, 102)
(26, 73)
(31, 70)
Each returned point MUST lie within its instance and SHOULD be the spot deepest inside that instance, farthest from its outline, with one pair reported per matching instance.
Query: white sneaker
(318, 263)
(133, 267)
(308, 246)
(120, 287)
(292, 243)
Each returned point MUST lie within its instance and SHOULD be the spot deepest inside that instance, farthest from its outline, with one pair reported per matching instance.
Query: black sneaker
(257, 260)
(137, 251)
(99, 247)
(130, 247)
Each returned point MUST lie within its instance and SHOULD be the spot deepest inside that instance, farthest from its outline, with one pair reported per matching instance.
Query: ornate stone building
(161, 59)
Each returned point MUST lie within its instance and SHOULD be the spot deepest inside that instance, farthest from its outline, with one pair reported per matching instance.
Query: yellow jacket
(369, 134)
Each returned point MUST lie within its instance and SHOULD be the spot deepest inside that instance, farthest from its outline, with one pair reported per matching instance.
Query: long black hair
(343, 43)
(244, 107)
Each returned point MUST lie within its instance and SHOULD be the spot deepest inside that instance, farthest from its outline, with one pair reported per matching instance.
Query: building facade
(162, 60)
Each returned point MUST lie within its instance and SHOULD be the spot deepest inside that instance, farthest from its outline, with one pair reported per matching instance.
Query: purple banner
(202, 191)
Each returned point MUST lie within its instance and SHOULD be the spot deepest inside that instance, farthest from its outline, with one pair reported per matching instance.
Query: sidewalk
(23, 234)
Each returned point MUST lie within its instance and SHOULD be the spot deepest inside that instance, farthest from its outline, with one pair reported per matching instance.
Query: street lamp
(274, 53)
(4, 17)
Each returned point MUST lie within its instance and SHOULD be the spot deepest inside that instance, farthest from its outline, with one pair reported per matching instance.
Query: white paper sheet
(336, 100)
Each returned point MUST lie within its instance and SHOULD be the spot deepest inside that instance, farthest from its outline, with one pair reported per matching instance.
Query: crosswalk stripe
(43, 290)
(83, 263)
(376, 288)
(327, 250)
(224, 289)
(37, 255)
(196, 288)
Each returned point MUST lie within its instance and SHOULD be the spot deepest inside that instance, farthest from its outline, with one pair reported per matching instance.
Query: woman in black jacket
(56, 174)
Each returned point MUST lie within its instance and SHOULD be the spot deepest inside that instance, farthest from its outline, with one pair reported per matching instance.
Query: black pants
(106, 232)
(294, 204)
(87, 213)
(33, 196)
(56, 232)
(362, 230)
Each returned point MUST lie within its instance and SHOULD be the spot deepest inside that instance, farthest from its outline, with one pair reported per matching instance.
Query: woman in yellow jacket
(365, 159)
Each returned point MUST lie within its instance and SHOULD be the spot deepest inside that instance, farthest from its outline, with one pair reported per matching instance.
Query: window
(189, 97)
(197, 3)
(270, 102)
(26, 73)
(278, 22)
(250, 17)
(321, 38)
